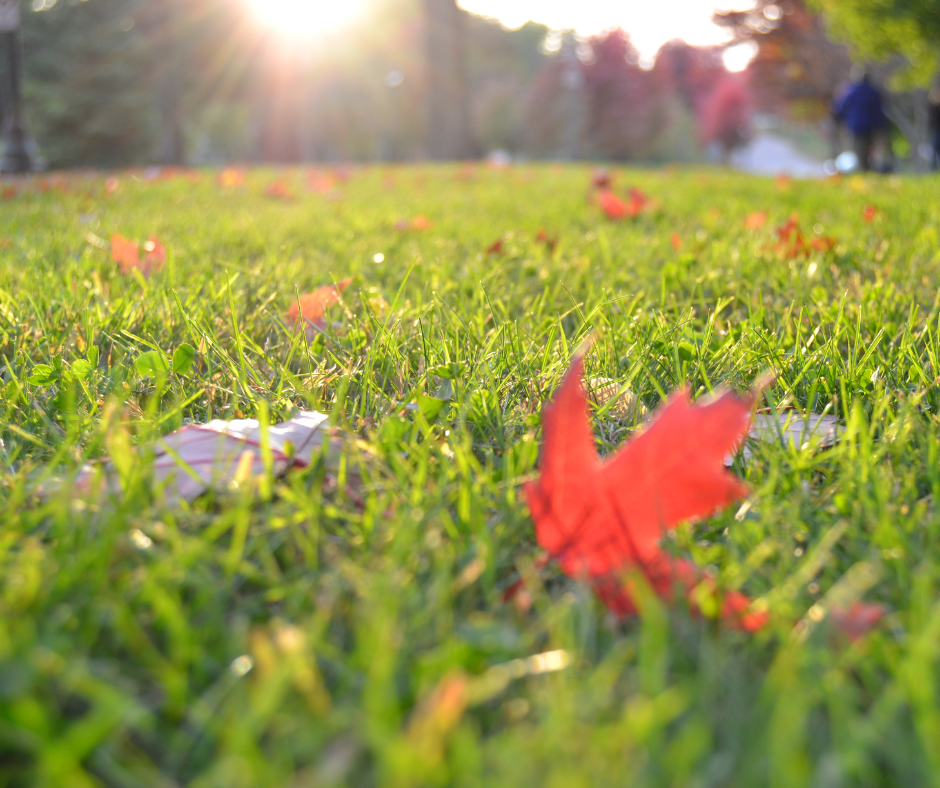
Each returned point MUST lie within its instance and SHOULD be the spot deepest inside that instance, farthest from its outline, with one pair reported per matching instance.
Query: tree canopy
(881, 29)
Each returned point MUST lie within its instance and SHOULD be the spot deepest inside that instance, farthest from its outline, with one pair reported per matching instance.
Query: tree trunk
(448, 113)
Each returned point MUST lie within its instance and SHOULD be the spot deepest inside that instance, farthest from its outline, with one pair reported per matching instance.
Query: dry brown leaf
(624, 404)
(223, 455)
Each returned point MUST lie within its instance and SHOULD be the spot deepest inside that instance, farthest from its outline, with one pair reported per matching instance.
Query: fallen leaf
(312, 307)
(279, 191)
(638, 201)
(756, 220)
(612, 206)
(858, 619)
(231, 178)
(222, 454)
(823, 244)
(496, 247)
(319, 182)
(790, 238)
(156, 255)
(125, 253)
(792, 429)
(418, 223)
(624, 405)
(602, 520)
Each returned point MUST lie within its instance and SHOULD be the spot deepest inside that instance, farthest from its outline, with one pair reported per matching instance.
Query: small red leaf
(638, 201)
(496, 247)
(319, 182)
(156, 254)
(612, 206)
(312, 306)
(790, 243)
(125, 253)
(823, 244)
(756, 220)
(279, 191)
(231, 178)
(858, 619)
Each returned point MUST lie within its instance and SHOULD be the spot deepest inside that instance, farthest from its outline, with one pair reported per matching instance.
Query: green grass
(120, 666)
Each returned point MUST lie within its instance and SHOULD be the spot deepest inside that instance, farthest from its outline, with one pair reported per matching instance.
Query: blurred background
(116, 82)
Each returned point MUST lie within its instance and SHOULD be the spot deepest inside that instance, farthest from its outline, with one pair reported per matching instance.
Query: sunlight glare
(306, 18)
(739, 56)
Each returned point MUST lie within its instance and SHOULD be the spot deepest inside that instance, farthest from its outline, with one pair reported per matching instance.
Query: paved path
(767, 154)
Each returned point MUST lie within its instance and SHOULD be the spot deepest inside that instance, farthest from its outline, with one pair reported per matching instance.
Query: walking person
(934, 123)
(860, 108)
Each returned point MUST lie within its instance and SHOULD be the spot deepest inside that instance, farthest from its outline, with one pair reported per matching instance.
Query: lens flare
(306, 18)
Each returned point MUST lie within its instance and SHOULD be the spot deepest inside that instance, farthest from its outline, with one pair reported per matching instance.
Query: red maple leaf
(319, 182)
(756, 220)
(279, 191)
(312, 306)
(824, 243)
(638, 201)
(603, 519)
(790, 237)
(156, 255)
(612, 205)
(125, 253)
(231, 178)
(496, 247)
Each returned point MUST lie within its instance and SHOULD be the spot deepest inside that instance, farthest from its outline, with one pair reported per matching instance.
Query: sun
(306, 18)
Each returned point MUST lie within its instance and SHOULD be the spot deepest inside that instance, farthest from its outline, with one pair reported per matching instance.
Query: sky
(650, 23)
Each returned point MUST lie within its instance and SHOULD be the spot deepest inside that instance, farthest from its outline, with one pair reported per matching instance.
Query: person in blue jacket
(859, 107)
(933, 119)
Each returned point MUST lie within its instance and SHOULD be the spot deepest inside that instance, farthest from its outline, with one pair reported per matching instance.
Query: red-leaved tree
(725, 113)
(619, 100)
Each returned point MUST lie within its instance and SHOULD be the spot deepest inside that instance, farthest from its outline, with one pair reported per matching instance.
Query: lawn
(311, 631)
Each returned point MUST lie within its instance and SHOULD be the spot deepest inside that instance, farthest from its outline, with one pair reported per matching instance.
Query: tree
(110, 82)
(448, 119)
(687, 71)
(85, 98)
(554, 107)
(501, 68)
(797, 68)
(618, 98)
(725, 114)
(881, 29)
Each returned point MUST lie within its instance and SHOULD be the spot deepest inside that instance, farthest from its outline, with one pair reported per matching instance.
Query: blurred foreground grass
(295, 638)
